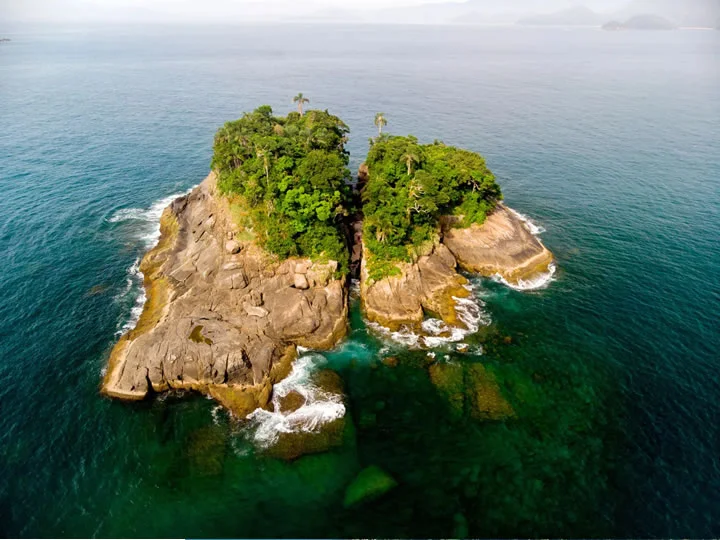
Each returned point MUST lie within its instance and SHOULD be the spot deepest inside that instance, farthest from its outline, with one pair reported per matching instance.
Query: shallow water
(608, 141)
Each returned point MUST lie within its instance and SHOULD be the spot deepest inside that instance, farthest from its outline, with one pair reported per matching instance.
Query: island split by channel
(256, 264)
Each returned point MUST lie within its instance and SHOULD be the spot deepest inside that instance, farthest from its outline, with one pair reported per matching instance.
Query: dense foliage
(410, 187)
(290, 175)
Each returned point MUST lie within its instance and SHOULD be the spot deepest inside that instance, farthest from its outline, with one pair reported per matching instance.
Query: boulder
(502, 245)
(301, 282)
(371, 483)
(429, 284)
(232, 247)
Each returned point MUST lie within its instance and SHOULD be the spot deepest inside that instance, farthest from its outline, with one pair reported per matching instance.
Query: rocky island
(641, 22)
(255, 261)
(247, 267)
(430, 210)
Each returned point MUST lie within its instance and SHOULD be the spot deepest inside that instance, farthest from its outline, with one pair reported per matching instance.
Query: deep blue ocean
(610, 141)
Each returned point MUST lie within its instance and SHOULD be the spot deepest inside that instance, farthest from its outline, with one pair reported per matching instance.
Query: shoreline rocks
(222, 317)
(503, 245)
(427, 285)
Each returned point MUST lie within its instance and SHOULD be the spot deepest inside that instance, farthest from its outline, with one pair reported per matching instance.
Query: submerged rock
(485, 397)
(206, 448)
(221, 318)
(470, 389)
(502, 245)
(299, 442)
(371, 483)
(449, 379)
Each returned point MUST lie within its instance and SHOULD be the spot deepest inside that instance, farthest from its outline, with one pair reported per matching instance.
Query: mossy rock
(370, 484)
(329, 381)
(486, 398)
(197, 336)
(390, 361)
(291, 402)
(470, 388)
(242, 400)
(290, 446)
(448, 378)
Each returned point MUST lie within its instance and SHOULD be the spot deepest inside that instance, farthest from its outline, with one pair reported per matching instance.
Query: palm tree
(263, 154)
(300, 100)
(410, 158)
(380, 122)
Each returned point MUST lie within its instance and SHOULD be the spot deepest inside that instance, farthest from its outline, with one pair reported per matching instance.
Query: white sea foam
(148, 233)
(436, 333)
(538, 282)
(320, 407)
(529, 223)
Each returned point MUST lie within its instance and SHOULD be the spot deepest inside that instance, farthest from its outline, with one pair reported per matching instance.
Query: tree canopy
(291, 176)
(410, 186)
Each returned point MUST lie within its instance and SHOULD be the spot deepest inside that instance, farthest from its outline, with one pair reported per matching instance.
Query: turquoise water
(609, 141)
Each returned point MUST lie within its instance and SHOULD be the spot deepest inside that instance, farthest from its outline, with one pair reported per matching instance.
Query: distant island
(575, 16)
(4, 40)
(254, 263)
(641, 22)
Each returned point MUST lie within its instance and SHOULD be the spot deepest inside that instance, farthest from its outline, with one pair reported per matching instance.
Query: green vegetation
(290, 175)
(410, 187)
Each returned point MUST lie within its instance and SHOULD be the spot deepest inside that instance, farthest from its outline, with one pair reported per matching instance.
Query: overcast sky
(231, 11)
(183, 9)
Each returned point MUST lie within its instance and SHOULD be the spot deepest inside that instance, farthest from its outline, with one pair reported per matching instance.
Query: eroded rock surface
(502, 245)
(222, 316)
(428, 284)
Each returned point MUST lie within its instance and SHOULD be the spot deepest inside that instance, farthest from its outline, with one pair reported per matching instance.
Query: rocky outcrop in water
(222, 316)
(427, 285)
(502, 246)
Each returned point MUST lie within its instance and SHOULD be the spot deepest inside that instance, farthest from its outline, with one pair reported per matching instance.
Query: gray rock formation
(502, 245)
(222, 317)
(425, 285)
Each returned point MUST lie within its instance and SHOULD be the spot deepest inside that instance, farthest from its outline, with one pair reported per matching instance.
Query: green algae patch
(197, 336)
(371, 483)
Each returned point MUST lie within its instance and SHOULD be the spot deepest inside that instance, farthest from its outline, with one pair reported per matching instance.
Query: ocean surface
(609, 142)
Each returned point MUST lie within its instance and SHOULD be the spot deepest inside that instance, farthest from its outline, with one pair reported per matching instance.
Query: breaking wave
(148, 234)
(538, 282)
(319, 407)
(436, 333)
(531, 226)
